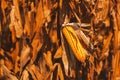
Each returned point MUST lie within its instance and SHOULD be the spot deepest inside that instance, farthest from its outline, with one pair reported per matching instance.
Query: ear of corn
(74, 43)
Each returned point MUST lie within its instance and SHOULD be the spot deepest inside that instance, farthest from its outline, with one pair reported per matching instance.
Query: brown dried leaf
(25, 56)
(107, 22)
(48, 58)
(73, 10)
(81, 35)
(59, 52)
(33, 70)
(3, 7)
(119, 40)
(16, 23)
(25, 75)
(60, 73)
(27, 28)
(101, 11)
(42, 67)
(118, 15)
(39, 17)
(7, 73)
(106, 44)
(9, 64)
(36, 44)
(12, 29)
(17, 12)
(99, 67)
(64, 56)
(53, 36)
(15, 57)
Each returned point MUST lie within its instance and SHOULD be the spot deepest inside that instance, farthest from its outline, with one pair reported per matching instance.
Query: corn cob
(74, 43)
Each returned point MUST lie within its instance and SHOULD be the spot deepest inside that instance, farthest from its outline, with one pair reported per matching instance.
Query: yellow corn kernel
(74, 43)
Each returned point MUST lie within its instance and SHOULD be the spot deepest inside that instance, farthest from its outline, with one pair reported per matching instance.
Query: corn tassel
(74, 43)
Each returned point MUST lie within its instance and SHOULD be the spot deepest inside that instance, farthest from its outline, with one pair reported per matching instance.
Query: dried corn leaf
(99, 67)
(25, 75)
(25, 56)
(42, 67)
(34, 71)
(36, 44)
(16, 23)
(80, 34)
(17, 14)
(73, 10)
(4, 6)
(106, 44)
(8, 63)
(40, 19)
(7, 74)
(27, 28)
(59, 53)
(60, 73)
(101, 10)
(48, 58)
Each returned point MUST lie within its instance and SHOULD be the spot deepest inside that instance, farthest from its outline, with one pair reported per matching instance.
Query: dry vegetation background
(33, 47)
